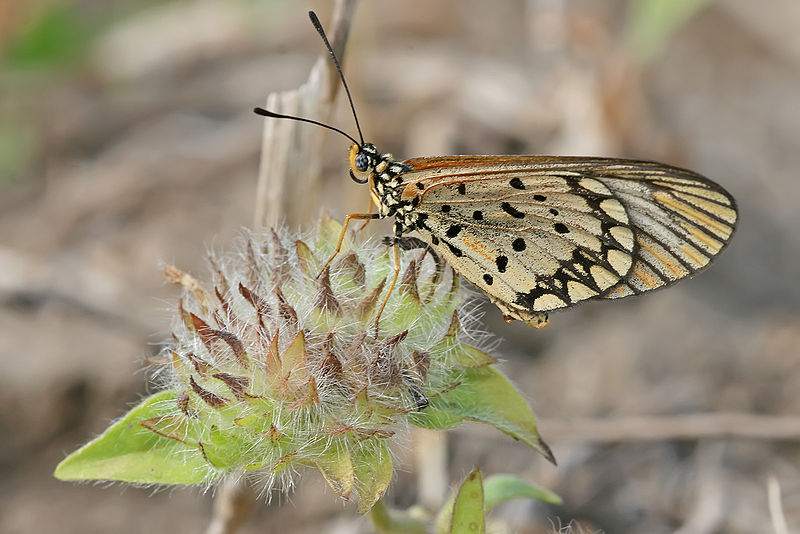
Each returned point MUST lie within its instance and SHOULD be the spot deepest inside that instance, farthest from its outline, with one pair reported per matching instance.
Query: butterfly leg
(396, 257)
(347, 219)
(366, 221)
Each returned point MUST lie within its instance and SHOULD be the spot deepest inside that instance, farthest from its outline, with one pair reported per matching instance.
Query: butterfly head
(363, 160)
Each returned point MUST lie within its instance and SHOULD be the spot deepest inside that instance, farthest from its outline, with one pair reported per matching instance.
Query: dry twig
(290, 171)
(232, 507)
(659, 428)
(775, 507)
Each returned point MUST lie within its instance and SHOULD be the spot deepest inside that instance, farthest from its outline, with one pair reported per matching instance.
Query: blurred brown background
(127, 139)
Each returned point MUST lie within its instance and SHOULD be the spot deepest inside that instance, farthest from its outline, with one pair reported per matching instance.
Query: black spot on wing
(488, 279)
(561, 228)
(462, 189)
(446, 208)
(455, 250)
(454, 230)
(511, 210)
(540, 198)
(502, 263)
(518, 244)
(477, 215)
(516, 183)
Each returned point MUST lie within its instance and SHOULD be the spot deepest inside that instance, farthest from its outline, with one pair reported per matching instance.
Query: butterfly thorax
(386, 186)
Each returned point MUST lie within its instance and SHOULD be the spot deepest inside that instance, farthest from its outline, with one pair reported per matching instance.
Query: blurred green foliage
(49, 38)
(55, 36)
(652, 23)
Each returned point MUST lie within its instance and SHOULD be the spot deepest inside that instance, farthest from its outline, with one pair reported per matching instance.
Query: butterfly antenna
(315, 21)
(266, 113)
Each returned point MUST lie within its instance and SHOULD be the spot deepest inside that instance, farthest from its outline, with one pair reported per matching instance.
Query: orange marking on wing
(716, 226)
(645, 277)
(623, 168)
(703, 237)
(410, 189)
(723, 212)
(572, 162)
(618, 290)
(675, 268)
(479, 248)
(699, 259)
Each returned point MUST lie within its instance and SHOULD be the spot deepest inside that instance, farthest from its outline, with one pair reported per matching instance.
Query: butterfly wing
(542, 233)
(682, 222)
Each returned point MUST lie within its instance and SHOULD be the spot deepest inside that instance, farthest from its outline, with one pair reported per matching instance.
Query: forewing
(531, 238)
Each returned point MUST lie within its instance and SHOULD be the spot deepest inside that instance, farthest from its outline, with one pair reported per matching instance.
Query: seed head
(278, 363)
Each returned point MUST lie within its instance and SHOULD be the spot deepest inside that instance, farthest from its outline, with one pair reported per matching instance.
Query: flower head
(279, 364)
(284, 358)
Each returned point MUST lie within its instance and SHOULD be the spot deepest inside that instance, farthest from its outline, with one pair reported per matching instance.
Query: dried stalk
(779, 525)
(232, 506)
(289, 176)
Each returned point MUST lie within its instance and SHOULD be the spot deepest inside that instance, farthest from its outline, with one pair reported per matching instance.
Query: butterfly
(542, 233)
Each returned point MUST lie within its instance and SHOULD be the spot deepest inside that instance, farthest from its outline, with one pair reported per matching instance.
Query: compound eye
(362, 162)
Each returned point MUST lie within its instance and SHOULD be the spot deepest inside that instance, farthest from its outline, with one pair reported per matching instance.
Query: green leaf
(387, 521)
(468, 515)
(129, 452)
(496, 489)
(336, 465)
(501, 488)
(485, 395)
(374, 468)
(435, 417)
(467, 356)
(225, 450)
